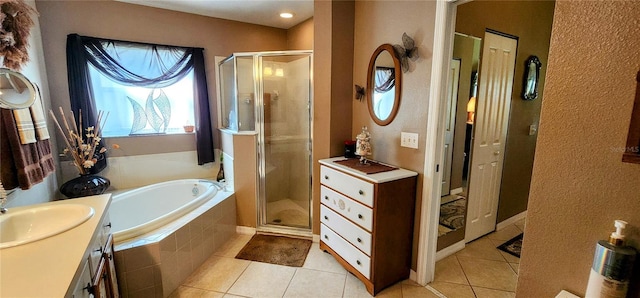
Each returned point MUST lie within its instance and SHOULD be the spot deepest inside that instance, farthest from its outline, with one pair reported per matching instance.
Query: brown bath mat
(276, 250)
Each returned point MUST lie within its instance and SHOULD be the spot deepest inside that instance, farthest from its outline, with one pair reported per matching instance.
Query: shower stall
(270, 93)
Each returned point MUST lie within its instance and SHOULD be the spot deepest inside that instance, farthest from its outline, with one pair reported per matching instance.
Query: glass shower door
(285, 138)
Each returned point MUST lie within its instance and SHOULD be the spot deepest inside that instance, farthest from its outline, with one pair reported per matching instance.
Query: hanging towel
(31, 123)
(22, 165)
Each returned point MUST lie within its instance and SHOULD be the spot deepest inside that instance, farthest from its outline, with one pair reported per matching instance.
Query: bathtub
(141, 210)
(163, 232)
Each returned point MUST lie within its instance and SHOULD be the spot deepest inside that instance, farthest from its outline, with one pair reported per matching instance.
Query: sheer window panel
(116, 99)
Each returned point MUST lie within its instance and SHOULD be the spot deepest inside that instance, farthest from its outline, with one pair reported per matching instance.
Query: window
(146, 88)
(143, 110)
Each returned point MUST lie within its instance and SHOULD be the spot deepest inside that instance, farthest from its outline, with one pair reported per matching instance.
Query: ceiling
(261, 12)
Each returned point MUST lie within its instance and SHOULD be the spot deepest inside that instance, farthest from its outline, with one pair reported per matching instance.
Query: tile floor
(480, 270)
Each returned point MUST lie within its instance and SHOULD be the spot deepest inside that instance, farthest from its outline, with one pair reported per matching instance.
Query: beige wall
(36, 72)
(377, 23)
(300, 37)
(579, 184)
(531, 22)
(123, 21)
(332, 83)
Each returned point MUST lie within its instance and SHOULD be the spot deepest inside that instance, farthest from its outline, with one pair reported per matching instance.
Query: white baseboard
(245, 230)
(447, 251)
(455, 191)
(511, 220)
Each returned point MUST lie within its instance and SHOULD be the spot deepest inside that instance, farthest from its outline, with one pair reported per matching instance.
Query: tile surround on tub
(157, 263)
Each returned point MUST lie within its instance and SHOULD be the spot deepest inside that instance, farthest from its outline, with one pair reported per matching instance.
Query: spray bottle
(612, 266)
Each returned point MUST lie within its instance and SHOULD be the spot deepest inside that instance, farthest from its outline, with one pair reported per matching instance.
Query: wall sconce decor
(406, 52)
(531, 78)
(359, 92)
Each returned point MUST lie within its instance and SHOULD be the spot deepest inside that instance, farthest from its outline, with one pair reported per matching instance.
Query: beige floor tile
(491, 293)
(482, 248)
(188, 292)
(354, 288)
(489, 274)
(515, 266)
(232, 296)
(520, 224)
(394, 291)
(409, 291)
(449, 270)
(217, 274)
(320, 260)
(453, 290)
(310, 283)
(232, 247)
(263, 280)
(505, 233)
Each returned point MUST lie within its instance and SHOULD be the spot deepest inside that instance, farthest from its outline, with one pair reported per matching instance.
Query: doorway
(522, 127)
(284, 142)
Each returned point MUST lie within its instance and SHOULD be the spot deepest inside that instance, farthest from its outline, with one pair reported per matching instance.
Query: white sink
(18, 227)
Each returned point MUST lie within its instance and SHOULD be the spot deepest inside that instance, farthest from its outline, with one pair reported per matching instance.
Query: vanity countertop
(375, 178)
(46, 268)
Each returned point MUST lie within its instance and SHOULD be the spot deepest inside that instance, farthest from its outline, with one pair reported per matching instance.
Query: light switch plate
(409, 140)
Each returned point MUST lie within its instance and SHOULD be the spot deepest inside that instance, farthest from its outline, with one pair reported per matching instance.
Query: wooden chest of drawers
(367, 222)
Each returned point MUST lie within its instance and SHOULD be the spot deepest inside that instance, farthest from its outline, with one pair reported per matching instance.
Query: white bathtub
(142, 210)
(166, 228)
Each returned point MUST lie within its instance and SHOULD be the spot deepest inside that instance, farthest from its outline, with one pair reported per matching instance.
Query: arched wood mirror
(384, 85)
(16, 91)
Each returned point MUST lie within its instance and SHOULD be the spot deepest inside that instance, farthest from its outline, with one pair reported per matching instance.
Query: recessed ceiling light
(286, 15)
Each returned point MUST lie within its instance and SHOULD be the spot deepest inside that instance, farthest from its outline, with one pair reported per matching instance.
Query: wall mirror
(531, 78)
(16, 91)
(384, 84)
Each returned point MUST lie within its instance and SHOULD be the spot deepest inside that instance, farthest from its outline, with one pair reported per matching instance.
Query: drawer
(353, 187)
(358, 237)
(352, 255)
(354, 211)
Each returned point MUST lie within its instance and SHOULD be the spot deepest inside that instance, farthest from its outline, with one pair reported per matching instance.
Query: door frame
(444, 29)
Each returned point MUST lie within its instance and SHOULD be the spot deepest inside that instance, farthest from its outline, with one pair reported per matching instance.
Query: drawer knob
(326, 237)
(359, 240)
(108, 225)
(99, 250)
(326, 177)
(326, 198)
(360, 192)
(360, 216)
(358, 262)
(326, 217)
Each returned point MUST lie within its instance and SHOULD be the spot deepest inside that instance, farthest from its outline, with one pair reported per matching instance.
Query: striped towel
(31, 122)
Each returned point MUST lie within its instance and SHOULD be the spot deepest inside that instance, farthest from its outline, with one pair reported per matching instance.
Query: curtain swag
(161, 66)
(385, 79)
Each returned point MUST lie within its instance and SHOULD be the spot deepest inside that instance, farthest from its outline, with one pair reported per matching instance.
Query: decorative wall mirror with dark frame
(16, 91)
(531, 78)
(384, 85)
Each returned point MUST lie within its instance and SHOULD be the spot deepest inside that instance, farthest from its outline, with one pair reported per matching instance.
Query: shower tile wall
(288, 157)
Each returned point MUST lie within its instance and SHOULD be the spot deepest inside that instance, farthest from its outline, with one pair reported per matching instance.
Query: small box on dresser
(367, 221)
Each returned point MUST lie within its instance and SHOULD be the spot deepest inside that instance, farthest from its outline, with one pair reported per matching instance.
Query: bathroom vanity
(367, 221)
(75, 263)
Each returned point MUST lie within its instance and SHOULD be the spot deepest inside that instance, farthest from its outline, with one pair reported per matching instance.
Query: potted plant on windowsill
(85, 150)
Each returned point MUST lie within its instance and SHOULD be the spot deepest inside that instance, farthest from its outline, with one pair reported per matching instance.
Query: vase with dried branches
(82, 144)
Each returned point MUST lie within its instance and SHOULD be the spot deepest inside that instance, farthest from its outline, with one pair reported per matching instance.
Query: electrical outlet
(409, 140)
